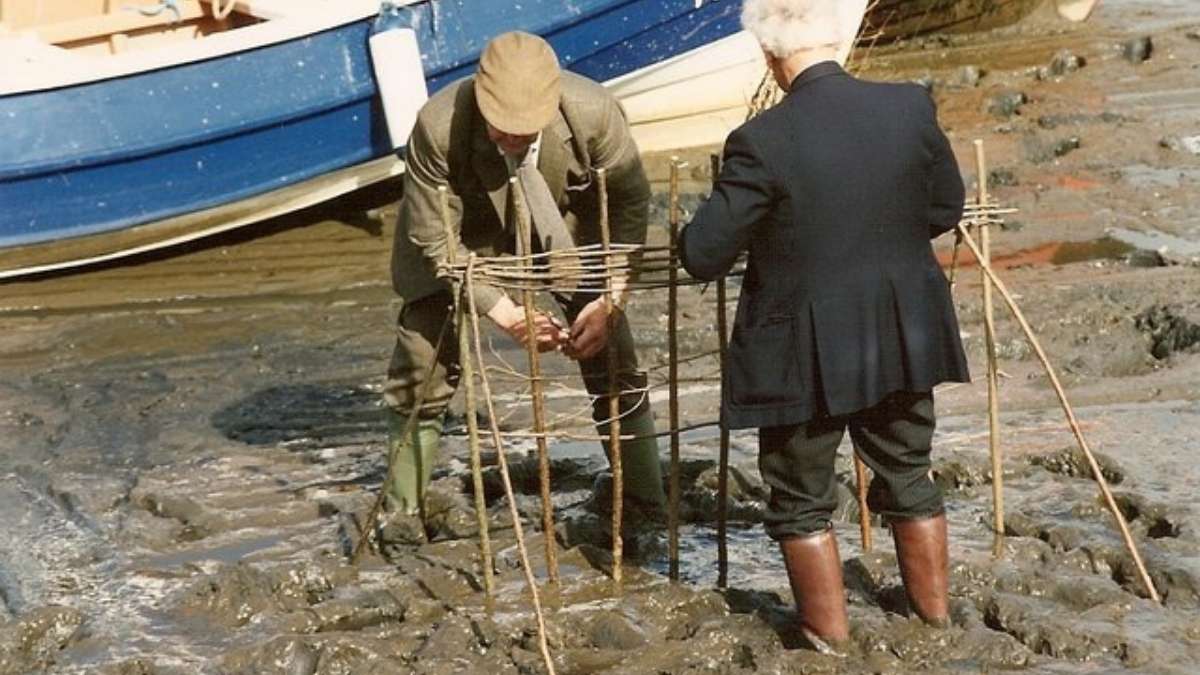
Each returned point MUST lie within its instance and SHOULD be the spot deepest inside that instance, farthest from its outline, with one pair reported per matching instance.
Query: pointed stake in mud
(502, 461)
(1068, 411)
(410, 425)
(368, 528)
(993, 371)
(714, 161)
(614, 392)
(537, 387)
(954, 260)
(673, 378)
(864, 511)
(468, 376)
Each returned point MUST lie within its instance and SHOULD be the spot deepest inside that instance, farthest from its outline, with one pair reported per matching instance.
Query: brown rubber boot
(815, 572)
(921, 548)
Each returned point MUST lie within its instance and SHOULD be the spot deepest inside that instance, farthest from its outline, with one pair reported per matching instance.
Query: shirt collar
(531, 154)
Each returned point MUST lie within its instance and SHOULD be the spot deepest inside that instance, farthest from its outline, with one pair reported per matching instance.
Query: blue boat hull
(104, 157)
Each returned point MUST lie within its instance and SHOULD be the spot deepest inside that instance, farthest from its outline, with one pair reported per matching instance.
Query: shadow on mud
(304, 417)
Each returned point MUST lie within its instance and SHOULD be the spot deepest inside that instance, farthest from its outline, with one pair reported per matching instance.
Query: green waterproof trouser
(421, 321)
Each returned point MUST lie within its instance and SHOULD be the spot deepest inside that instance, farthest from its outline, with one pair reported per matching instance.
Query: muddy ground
(187, 443)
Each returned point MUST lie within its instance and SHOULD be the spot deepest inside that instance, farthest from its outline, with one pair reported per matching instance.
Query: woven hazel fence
(615, 270)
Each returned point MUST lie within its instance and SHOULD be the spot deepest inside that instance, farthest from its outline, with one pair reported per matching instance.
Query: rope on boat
(221, 11)
(162, 6)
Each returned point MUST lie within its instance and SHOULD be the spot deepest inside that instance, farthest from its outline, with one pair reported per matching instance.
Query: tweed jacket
(449, 147)
(836, 193)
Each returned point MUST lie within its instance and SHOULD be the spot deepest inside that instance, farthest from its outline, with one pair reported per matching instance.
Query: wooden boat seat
(126, 20)
(122, 21)
(268, 9)
(26, 48)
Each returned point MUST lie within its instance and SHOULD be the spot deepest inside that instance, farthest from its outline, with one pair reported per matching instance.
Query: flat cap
(518, 83)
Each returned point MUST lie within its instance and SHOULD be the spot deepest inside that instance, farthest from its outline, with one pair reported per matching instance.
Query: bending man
(519, 116)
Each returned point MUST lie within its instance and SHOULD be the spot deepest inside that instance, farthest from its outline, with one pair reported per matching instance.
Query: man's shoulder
(578, 88)
(439, 112)
(762, 125)
(835, 96)
(584, 96)
(889, 95)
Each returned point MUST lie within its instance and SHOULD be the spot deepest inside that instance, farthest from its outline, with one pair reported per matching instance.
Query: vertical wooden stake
(410, 425)
(498, 441)
(673, 379)
(614, 393)
(864, 511)
(723, 466)
(954, 261)
(993, 380)
(1097, 474)
(525, 244)
(468, 376)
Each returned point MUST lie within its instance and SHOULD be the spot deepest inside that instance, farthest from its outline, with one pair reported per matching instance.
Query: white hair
(784, 27)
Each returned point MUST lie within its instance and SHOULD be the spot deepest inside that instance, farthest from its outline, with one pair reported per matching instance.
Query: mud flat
(187, 443)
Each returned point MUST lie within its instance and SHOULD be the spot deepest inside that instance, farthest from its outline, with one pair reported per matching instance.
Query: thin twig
(464, 360)
(864, 511)
(1070, 413)
(989, 332)
(673, 379)
(468, 376)
(409, 425)
(525, 237)
(498, 442)
(614, 399)
(723, 457)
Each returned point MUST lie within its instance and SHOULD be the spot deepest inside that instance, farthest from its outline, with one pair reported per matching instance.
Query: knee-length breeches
(894, 438)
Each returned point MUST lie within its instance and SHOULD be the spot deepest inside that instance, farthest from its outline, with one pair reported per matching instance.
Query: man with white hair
(845, 318)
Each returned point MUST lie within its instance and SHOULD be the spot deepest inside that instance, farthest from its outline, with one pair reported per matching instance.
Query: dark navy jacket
(836, 193)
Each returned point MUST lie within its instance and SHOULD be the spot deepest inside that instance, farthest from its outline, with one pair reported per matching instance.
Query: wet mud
(189, 444)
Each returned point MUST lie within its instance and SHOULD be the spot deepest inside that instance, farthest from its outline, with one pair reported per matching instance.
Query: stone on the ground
(969, 76)
(1138, 50)
(1190, 144)
(1007, 104)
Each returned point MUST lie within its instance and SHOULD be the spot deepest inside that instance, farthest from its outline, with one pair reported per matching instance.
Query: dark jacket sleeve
(711, 243)
(946, 185)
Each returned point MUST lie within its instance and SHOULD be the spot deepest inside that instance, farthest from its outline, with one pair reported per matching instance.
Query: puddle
(1054, 253)
(1156, 241)
(1106, 248)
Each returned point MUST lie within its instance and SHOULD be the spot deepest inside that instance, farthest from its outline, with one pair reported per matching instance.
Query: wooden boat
(906, 18)
(129, 127)
(699, 97)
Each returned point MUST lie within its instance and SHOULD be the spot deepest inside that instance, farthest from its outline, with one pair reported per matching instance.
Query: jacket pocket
(763, 367)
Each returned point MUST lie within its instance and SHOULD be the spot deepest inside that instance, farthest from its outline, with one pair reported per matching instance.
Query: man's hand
(548, 333)
(589, 333)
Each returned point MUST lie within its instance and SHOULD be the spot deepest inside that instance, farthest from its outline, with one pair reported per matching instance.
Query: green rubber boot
(414, 459)
(640, 466)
